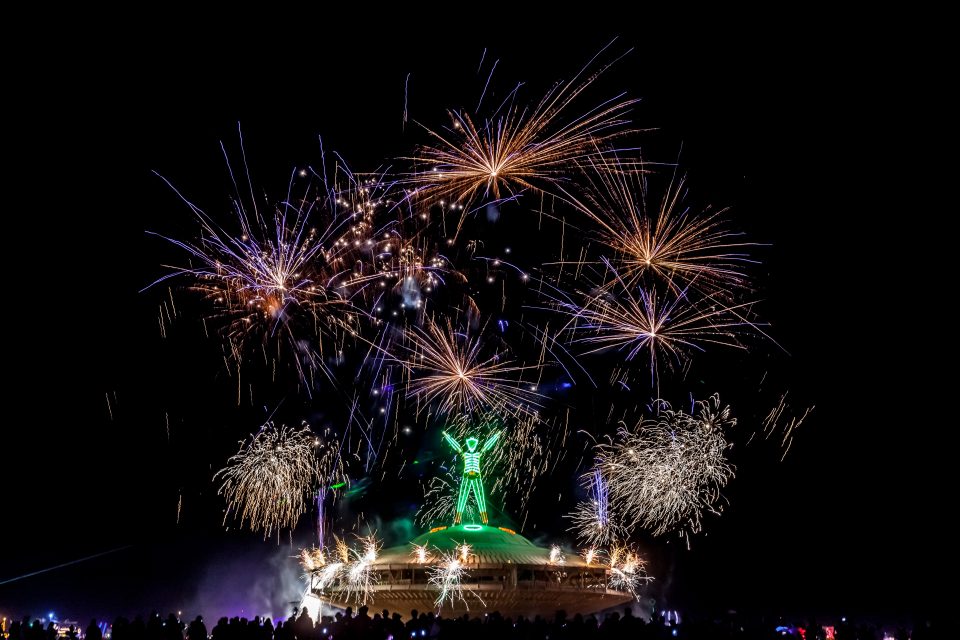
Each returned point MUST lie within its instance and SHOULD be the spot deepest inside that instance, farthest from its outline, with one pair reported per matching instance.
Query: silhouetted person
(413, 624)
(172, 628)
(303, 627)
(154, 626)
(395, 626)
(197, 630)
(220, 631)
(93, 631)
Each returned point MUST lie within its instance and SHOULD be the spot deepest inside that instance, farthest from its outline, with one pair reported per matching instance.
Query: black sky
(770, 124)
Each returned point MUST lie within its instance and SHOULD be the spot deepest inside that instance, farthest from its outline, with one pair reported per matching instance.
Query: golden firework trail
(518, 147)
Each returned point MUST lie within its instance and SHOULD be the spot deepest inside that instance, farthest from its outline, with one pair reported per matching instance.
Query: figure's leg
(462, 500)
(481, 500)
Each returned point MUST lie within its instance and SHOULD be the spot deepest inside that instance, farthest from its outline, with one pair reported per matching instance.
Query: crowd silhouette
(386, 626)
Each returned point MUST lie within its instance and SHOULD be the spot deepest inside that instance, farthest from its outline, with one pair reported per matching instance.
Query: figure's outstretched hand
(490, 441)
(453, 443)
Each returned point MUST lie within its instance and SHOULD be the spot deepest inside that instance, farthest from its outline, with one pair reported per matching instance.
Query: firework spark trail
(359, 576)
(627, 571)
(669, 469)
(447, 577)
(294, 282)
(453, 369)
(778, 419)
(590, 556)
(439, 501)
(671, 245)
(421, 554)
(321, 502)
(342, 549)
(312, 559)
(328, 576)
(402, 258)
(519, 148)
(556, 555)
(277, 278)
(353, 574)
(269, 483)
(592, 521)
(636, 321)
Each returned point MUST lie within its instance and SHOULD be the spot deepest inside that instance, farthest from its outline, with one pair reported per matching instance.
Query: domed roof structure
(470, 567)
(489, 545)
(503, 571)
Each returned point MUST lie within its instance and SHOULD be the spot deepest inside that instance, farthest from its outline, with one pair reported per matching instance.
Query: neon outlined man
(472, 481)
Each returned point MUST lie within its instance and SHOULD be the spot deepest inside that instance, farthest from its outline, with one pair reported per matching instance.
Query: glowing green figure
(471, 482)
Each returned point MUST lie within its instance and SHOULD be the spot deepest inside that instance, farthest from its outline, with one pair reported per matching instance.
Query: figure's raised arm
(453, 443)
(490, 441)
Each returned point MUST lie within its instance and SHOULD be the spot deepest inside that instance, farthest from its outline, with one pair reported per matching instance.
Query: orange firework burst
(663, 242)
(456, 370)
(637, 319)
(518, 147)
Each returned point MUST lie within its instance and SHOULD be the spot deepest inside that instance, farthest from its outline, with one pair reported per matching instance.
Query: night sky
(763, 123)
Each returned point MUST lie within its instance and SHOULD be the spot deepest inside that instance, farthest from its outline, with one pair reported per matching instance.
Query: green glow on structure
(472, 482)
(338, 485)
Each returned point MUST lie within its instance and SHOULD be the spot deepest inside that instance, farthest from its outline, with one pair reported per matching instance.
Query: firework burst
(669, 244)
(667, 330)
(312, 559)
(421, 554)
(283, 283)
(669, 469)
(556, 556)
(457, 373)
(518, 148)
(447, 577)
(269, 483)
(359, 575)
(627, 570)
(328, 576)
(590, 556)
(592, 519)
